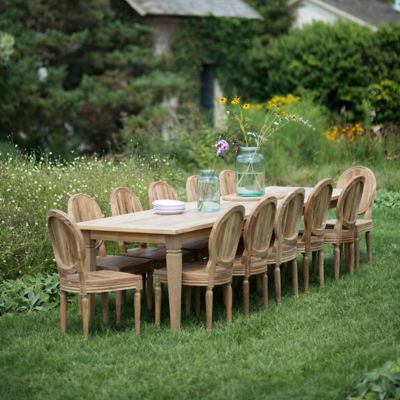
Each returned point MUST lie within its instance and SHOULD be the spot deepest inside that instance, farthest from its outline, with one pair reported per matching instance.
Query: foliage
(78, 71)
(341, 64)
(6, 48)
(387, 199)
(380, 384)
(30, 293)
(30, 187)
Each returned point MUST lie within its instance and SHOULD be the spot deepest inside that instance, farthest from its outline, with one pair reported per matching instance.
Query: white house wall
(307, 13)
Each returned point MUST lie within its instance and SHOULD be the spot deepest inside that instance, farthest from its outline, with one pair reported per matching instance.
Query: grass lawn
(315, 347)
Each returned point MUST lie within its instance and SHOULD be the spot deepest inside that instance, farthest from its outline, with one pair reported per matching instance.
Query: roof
(196, 8)
(373, 12)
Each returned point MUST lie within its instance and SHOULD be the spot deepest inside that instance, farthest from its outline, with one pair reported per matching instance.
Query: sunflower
(222, 100)
(246, 106)
(235, 100)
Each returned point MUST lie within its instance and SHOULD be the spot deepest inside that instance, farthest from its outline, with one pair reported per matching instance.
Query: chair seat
(362, 225)
(102, 281)
(125, 264)
(331, 237)
(195, 274)
(315, 245)
(257, 266)
(288, 253)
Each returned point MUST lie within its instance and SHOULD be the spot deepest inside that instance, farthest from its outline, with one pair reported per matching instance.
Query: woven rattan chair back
(161, 190)
(82, 207)
(191, 187)
(316, 210)
(259, 228)
(224, 239)
(123, 201)
(227, 182)
(67, 242)
(369, 191)
(348, 203)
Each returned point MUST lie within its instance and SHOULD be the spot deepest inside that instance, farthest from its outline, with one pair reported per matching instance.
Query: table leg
(174, 270)
(90, 265)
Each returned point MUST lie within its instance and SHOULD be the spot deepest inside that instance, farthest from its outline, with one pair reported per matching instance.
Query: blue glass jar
(208, 198)
(250, 172)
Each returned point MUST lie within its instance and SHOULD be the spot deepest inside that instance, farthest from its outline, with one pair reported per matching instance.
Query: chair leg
(369, 245)
(149, 291)
(63, 311)
(104, 307)
(228, 303)
(246, 296)
(158, 296)
(321, 273)
(197, 300)
(209, 308)
(295, 278)
(265, 289)
(136, 306)
(118, 302)
(277, 281)
(85, 315)
(351, 258)
(188, 300)
(336, 261)
(306, 271)
(357, 253)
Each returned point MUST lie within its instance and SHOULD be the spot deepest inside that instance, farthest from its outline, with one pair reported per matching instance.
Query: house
(165, 16)
(369, 13)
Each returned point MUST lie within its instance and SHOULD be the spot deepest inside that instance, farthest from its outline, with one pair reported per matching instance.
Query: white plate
(168, 203)
(168, 212)
(170, 208)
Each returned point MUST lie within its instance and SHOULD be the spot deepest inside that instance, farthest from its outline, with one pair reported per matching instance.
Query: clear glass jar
(208, 198)
(250, 172)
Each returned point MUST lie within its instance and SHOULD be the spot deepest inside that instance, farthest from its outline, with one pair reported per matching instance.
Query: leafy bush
(29, 187)
(29, 293)
(380, 384)
(341, 64)
(387, 199)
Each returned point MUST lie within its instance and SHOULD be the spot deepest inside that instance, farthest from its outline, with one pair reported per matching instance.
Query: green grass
(315, 347)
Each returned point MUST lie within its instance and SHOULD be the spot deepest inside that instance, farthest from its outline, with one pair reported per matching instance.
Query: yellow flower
(222, 100)
(246, 106)
(235, 100)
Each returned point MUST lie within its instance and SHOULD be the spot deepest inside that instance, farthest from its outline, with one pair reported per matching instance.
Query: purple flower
(222, 147)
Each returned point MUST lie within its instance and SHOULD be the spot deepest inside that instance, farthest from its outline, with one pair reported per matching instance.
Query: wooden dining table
(168, 230)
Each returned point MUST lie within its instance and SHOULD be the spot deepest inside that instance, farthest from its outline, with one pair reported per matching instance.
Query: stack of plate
(168, 207)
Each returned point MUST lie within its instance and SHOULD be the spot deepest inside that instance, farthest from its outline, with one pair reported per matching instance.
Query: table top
(148, 222)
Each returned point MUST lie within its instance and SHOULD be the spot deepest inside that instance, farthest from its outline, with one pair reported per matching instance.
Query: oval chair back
(369, 192)
(67, 242)
(258, 229)
(224, 239)
(123, 201)
(288, 218)
(82, 207)
(227, 182)
(348, 204)
(161, 190)
(191, 187)
(316, 211)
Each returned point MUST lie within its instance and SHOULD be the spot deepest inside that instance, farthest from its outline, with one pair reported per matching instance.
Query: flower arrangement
(253, 124)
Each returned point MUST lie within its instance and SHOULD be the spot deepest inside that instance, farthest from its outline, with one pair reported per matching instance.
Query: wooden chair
(343, 232)
(311, 240)
(227, 182)
(286, 231)
(257, 236)
(191, 187)
(161, 190)
(69, 251)
(363, 225)
(223, 242)
(83, 208)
